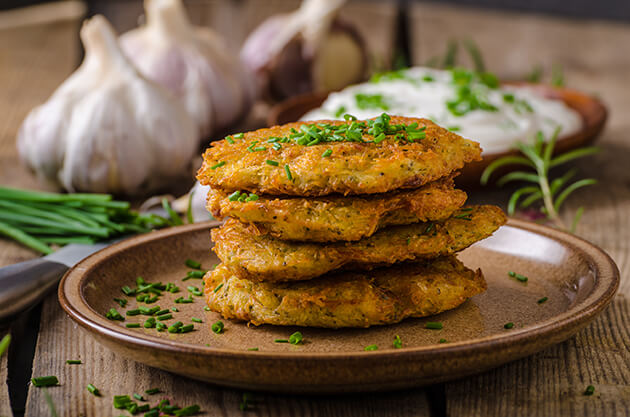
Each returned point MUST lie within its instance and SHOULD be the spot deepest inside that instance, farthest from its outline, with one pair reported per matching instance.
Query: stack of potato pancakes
(342, 223)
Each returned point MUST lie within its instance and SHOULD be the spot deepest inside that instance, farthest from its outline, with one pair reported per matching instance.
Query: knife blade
(24, 284)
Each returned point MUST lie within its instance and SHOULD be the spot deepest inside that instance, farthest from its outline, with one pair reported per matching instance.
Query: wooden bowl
(592, 110)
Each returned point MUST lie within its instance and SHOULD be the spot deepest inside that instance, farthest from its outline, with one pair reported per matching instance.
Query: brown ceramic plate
(592, 110)
(578, 278)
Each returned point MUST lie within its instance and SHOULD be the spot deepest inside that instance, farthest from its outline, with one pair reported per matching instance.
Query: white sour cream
(520, 112)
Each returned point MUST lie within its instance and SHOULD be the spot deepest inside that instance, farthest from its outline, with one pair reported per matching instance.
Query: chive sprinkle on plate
(433, 325)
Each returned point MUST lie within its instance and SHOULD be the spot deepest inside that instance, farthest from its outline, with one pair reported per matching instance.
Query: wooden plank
(60, 339)
(5, 403)
(551, 383)
(513, 43)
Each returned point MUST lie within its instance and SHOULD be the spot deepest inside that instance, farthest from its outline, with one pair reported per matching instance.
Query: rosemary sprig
(552, 193)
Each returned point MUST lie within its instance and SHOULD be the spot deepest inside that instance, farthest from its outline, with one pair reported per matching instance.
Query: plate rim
(580, 314)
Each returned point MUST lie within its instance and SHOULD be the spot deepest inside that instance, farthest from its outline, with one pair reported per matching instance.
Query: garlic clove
(106, 128)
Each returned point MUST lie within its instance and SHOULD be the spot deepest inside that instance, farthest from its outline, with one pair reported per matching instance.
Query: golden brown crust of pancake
(346, 299)
(352, 168)
(265, 258)
(338, 218)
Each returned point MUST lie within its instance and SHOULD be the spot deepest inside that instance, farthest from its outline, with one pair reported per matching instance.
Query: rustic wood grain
(551, 383)
(5, 406)
(61, 339)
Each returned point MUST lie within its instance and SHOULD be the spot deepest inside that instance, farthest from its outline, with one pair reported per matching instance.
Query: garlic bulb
(106, 128)
(307, 50)
(192, 63)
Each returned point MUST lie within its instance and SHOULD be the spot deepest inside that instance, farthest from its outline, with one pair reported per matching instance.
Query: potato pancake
(265, 258)
(325, 157)
(346, 299)
(338, 218)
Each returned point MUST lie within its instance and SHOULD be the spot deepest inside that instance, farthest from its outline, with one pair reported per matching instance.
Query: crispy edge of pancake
(265, 258)
(352, 168)
(338, 218)
(346, 299)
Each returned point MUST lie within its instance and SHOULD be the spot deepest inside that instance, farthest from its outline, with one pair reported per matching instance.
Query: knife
(24, 284)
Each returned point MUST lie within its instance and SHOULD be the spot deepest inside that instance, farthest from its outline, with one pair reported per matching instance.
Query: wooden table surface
(34, 59)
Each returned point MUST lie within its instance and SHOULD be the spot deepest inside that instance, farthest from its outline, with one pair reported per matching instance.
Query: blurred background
(578, 44)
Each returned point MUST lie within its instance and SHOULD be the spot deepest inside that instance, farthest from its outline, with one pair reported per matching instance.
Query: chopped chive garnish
(252, 197)
(219, 165)
(253, 349)
(196, 274)
(174, 309)
(273, 163)
(162, 312)
(370, 348)
(234, 196)
(113, 314)
(229, 140)
(174, 328)
(149, 323)
(542, 300)
(288, 171)
(160, 326)
(196, 320)
(281, 341)
(165, 317)
(218, 287)
(187, 328)
(149, 311)
(433, 325)
(206, 308)
(73, 362)
(152, 391)
(45, 381)
(93, 390)
(121, 301)
(463, 217)
(442, 341)
(508, 325)
(193, 264)
(138, 397)
(4, 344)
(191, 410)
(397, 342)
(239, 135)
(217, 327)
(133, 312)
(327, 153)
(121, 401)
(128, 291)
(295, 338)
(519, 277)
(589, 390)
(132, 325)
